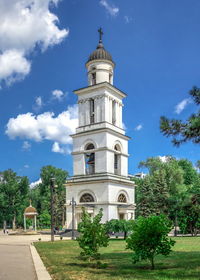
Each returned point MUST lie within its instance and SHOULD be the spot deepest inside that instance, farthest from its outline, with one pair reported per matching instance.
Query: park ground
(62, 260)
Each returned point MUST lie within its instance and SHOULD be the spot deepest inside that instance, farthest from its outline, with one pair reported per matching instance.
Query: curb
(40, 269)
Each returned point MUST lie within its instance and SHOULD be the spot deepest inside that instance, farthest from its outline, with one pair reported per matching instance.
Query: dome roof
(100, 53)
(30, 209)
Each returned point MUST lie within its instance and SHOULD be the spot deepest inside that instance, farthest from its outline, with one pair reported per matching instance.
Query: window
(93, 78)
(117, 158)
(91, 111)
(121, 216)
(87, 197)
(122, 198)
(110, 78)
(90, 160)
(114, 112)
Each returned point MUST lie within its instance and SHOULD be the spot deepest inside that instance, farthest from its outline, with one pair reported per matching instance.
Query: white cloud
(25, 24)
(38, 101)
(138, 127)
(26, 166)
(111, 9)
(127, 19)
(36, 183)
(56, 148)
(13, 66)
(44, 126)
(26, 146)
(58, 94)
(181, 106)
(164, 159)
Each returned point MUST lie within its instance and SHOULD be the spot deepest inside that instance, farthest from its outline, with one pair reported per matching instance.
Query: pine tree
(184, 131)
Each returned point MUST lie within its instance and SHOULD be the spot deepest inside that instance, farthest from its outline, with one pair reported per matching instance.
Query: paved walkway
(16, 262)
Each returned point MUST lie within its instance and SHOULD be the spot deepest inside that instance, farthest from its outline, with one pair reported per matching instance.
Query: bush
(149, 238)
(92, 235)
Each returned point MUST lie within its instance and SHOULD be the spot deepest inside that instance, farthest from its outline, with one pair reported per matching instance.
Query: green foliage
(150, 238)
(117, 226)
(41, 195)
(92, 235)
(13, 197)
(183, 131)
(45, 219)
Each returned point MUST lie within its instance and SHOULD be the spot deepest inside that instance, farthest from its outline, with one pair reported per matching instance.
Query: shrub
(149, 238)
(92, 235)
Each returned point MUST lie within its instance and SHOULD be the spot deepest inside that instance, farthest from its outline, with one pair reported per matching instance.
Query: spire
(100, 34)
(100, 45)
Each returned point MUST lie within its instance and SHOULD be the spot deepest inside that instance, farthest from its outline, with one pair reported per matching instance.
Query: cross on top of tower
(100, 34)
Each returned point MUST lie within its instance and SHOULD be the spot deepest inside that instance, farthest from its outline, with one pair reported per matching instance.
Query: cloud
(127, 19)
(111, 9)
(45, 126)
(164, 159)
(58, 94)
(26, 166)
(26, 146)
(181, 106)
(138, 127)
(35, 184)
(56, 148)
(25, 25)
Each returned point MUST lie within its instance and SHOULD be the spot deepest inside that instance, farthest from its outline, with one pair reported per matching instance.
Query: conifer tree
(184, 131)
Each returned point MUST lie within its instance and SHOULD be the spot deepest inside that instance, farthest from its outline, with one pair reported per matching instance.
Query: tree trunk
(14, 222)
(4, 226)
(125, 235)
(152, 262)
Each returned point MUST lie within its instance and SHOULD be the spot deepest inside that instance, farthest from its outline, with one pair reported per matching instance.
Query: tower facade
(100, 147)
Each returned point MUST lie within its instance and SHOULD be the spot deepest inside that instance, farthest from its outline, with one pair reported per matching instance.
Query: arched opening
(89, 159)
(122, 198)
(117, 160)
(93, 78)
(86, 197)
(91, 111)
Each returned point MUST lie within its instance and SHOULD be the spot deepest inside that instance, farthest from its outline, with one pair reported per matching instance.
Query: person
(4, 230)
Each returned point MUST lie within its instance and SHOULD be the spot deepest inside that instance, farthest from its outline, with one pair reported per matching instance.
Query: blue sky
(43, 50)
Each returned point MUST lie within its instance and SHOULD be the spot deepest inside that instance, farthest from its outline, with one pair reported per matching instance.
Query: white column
(35, 223)
(120, 115)
(87, 112)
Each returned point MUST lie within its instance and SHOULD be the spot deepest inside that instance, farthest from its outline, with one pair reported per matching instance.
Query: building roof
(30, 209)
(100, 53)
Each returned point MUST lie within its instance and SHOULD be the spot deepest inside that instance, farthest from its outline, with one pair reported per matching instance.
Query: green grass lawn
(62, 261)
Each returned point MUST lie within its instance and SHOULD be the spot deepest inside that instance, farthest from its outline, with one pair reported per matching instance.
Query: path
(15, 257)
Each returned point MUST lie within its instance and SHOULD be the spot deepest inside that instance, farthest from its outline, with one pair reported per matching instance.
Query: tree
(150, 238)
(92, 235)
(183, 131)
(13, 197)
(41, 195)
(117, 226)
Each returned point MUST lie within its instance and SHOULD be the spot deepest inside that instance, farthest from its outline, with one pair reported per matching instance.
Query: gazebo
(30, 213)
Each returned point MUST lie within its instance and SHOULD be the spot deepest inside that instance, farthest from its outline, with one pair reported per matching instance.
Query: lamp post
(73, 204)
(52, 186)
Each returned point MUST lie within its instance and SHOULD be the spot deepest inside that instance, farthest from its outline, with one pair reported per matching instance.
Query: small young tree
(150, 238)
(92, 235)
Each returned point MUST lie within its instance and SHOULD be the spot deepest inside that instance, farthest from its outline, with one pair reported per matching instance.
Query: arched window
(122, 198)
(87, 197)
(89, 159)
(117, 158)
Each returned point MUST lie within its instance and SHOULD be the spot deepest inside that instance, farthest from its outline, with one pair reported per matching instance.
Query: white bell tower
(100, 147)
